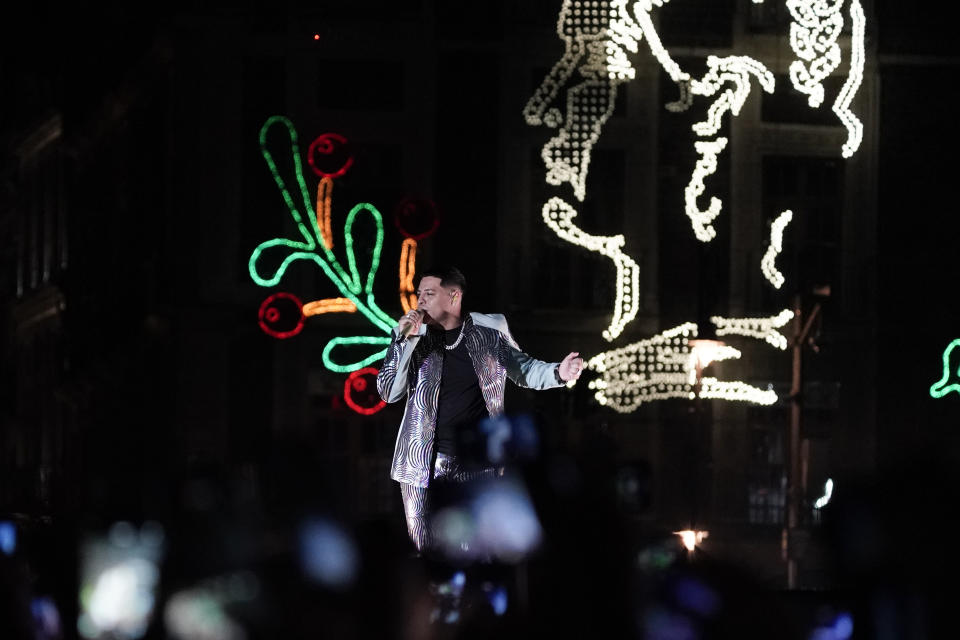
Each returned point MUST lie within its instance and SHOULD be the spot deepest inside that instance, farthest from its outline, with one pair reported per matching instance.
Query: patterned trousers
(417, 502)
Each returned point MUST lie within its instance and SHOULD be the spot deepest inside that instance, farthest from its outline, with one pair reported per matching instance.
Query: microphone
(407, 330)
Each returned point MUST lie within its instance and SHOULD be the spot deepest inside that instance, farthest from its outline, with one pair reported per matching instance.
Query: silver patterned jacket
(414, 366)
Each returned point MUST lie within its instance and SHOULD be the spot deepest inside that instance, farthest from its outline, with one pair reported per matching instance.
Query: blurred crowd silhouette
(298, 570)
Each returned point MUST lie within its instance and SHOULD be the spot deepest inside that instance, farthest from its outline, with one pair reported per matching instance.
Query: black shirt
(461, 405)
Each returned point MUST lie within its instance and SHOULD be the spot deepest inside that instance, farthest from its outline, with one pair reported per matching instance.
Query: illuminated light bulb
(705, 352)
(814, 33)
(691, 539)
(827, 494)
(761, 328)
(408, 267)
(842, 104)
(660, 368)
(731, 69)
(559, 216)
(329, 305)
(324, 196)
(706, 165)
(950, 381)
(767, 265)
(316, 36)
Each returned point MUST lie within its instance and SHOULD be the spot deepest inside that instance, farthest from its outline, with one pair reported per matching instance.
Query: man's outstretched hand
(571, 367)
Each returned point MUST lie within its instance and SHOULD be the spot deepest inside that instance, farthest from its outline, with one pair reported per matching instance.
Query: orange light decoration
(408, 266)
(329, 305)
(324, 196)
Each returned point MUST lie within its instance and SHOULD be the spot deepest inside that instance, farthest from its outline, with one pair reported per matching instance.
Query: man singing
(452, 367)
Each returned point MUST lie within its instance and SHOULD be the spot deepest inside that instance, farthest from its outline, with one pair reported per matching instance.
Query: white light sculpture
(813, 37)
(761, 328)
(731, 69)
(559, 217)
(827, 494)
(857, 57)
(663, 367)
(767, 263)
(706, 165)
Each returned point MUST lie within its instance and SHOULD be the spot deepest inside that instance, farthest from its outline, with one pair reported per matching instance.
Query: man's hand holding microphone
(410, 323)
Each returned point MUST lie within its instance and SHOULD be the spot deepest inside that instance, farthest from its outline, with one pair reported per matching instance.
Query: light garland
(733, 69)
(706, 165)
(324, 197)
(408, 266)
(272, 319)
(353, 341)
(857, 58)
(660, 368)
(329, 305)
(357, 382)
(558, 215)
(761, 328)
(355, 289)
(827, 494)
(951, 373)
(813, 37)
(767, 265)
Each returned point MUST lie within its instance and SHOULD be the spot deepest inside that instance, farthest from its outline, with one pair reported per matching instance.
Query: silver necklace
(457, 341)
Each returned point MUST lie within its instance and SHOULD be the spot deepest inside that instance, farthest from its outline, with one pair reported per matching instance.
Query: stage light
(706, 165)
(767, 265)
(691, 539)
(761, 328)
(559, 217)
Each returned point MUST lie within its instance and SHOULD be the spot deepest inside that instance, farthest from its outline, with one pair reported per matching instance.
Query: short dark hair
(449, 276)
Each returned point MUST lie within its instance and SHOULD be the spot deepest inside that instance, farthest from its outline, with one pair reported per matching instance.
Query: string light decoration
(824, 500)
(814, 33)
(408, 267)
(360, 391)
(281, 315)
(950, 381)
(324, 203)
(559, 216)
(767, 265)
(329, 305)
(329, 149)
(660, 368)
(761, 328)
(706, 165)
(731, 69)
(841, 106)
(357, 289)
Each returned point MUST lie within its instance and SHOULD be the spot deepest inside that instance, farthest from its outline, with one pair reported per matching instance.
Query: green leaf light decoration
(951, 373)
(310, 246)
